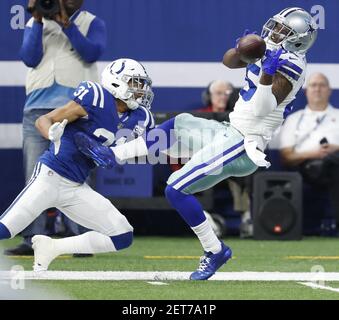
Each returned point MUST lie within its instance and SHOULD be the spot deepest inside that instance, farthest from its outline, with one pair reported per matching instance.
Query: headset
(206, 95)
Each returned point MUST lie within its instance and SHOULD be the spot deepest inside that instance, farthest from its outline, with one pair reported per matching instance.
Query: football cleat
(44, 252)
(211, 262)
(101, 155)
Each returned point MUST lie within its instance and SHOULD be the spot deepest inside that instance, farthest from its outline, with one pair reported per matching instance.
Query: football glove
(55, 133)
(246, 32)
(101, 155)
(272, 62)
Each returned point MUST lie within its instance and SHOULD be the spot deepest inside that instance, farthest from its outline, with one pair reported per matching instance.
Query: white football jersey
(262, 128)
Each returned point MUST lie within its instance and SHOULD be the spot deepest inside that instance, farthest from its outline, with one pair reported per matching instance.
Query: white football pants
(79, 202)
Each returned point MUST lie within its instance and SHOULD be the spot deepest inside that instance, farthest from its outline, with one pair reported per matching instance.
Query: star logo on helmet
(311, 28)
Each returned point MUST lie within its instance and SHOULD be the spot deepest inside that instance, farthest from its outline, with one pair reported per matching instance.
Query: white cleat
(44, 252)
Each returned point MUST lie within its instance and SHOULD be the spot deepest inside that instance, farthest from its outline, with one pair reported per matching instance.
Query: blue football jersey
(103, 123)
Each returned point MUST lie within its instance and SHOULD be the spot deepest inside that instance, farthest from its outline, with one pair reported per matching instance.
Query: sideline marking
(171, 275)
(319, 286)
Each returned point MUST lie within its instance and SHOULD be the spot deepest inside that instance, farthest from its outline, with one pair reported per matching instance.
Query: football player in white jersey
(293, 31)
(221, 150)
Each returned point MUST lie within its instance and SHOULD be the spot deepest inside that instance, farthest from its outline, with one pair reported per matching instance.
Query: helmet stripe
(287, 11)
(283, 11)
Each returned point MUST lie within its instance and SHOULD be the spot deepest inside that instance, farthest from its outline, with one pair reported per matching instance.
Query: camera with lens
(47, 8)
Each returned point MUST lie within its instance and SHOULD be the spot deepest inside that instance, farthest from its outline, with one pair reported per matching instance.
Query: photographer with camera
(309, 141)
(61, 45)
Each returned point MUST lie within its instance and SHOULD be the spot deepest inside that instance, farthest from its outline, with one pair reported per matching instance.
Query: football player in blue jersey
(221, 150)
(119, 107)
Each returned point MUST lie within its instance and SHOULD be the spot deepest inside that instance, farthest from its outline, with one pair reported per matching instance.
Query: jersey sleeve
(89, 95)
(145, 121)
(295, 67)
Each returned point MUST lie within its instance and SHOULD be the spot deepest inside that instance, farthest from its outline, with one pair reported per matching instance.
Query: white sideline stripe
(175, 74)
(168, 275)
(11, 136)
(319, 286)
(157, 283)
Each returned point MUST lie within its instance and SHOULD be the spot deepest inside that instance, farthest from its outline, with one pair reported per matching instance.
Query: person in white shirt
(309, 140)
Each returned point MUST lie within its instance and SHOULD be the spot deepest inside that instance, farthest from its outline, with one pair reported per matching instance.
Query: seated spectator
(309, 141)
(216, 96)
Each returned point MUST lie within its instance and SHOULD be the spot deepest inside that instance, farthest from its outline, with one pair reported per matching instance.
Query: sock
(89, 242)
(191, 211)
(4, 232)
(207, 237)
(187, 205)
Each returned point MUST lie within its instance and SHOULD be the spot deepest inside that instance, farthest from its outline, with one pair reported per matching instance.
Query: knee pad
(4, 232)
(122, 241)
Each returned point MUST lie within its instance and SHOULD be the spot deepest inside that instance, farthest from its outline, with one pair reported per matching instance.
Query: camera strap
(303, 138)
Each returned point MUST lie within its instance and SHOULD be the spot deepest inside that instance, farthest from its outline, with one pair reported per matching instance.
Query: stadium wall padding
(187, 33)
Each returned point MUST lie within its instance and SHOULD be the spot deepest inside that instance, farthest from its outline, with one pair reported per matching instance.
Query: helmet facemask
(139, 91)
(277, 33)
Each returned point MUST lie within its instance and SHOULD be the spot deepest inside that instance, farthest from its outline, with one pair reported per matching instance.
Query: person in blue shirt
(111, 113)
(60, 52)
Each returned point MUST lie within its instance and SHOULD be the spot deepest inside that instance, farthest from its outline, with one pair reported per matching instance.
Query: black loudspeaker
(277, 206)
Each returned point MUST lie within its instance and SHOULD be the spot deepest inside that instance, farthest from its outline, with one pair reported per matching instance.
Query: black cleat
(22, 249)
(83, 255)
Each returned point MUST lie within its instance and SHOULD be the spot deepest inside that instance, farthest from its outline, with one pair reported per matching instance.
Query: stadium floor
(154, 255)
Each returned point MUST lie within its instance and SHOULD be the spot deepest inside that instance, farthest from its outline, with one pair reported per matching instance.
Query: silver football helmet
(293, 29)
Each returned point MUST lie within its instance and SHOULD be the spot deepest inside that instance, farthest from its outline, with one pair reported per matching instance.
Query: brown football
(251, 48)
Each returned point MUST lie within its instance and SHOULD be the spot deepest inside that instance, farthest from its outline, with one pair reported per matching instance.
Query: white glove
(55, 133)
(254, 154)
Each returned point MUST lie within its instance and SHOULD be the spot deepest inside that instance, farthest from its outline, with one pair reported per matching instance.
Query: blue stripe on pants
(207, 173)
(207, 164)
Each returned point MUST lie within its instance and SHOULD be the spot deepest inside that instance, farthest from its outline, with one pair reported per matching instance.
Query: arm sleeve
(264, 101)
(140, 146)
(135, 148)
(31, 51)
(90, 48)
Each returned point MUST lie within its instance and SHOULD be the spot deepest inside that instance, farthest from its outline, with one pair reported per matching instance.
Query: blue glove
(271, 62)
(246, 32)
(101, 155)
